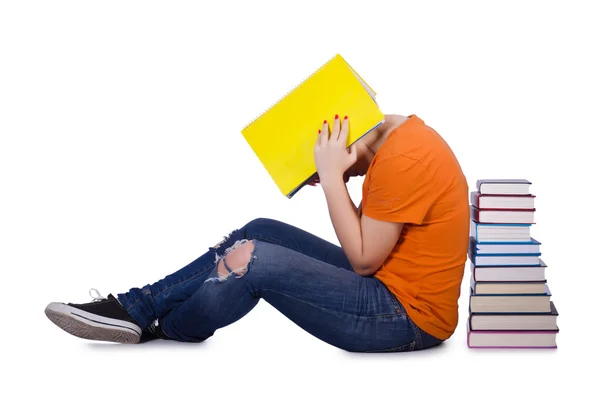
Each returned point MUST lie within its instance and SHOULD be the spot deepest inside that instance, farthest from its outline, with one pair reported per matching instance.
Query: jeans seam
(133, 305)
(398, 306)
(399, 315)
(417, 331)
(192, 277)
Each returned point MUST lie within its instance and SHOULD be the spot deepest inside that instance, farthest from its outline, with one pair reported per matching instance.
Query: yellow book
(283, 137)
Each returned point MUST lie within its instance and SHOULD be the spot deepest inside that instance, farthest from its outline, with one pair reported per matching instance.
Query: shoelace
(98, 296)
(152, 327)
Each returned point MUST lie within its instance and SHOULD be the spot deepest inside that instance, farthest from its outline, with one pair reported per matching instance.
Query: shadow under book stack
(510, 303)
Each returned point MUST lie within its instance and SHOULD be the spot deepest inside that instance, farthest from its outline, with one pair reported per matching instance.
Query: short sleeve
(398, 189)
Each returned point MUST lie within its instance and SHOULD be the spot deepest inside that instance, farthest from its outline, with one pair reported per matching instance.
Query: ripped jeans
(306, 278)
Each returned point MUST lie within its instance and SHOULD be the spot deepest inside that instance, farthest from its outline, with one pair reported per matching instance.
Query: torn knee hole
(236, 259)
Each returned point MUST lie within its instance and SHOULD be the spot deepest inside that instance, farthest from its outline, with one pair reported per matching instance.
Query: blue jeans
(306, 278)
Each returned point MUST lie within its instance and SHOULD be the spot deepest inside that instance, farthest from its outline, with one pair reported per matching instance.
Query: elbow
(365, 264)
(364, 272)
(365, 269)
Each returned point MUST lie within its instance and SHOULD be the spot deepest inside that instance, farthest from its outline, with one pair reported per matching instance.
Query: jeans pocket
(398, 306)
(408, 347)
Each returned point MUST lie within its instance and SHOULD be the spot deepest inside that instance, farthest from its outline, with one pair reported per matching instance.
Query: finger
(336, 128)
(320, 139)
(324, 133)
(318, 142)
(343, 138)
(353, 155)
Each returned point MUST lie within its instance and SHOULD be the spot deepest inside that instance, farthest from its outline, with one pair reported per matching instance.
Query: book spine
(474, 213)
(475, 199)
(478, 185)
(508, 209)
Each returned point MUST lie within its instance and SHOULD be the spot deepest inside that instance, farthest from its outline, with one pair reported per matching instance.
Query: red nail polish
(325, 122)
(346, 118)
(319, 131)
(337, 117)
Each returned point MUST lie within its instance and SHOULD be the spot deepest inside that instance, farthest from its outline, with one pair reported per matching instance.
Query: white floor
(266, 355)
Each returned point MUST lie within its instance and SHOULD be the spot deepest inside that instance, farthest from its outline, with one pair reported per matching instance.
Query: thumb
(352, 155)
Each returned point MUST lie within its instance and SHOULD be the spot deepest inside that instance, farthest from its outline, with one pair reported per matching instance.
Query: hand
(332, 159)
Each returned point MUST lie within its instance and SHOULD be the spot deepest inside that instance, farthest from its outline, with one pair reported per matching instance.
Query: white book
(502, 201)
(502, 216)
(511, 339)
(510, 303)
(509, 273)
(512, 260)
(515, 321)
(503, 186)
(482, 232)
(508, 287)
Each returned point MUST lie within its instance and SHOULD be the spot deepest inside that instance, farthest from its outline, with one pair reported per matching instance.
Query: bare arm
(366, 242)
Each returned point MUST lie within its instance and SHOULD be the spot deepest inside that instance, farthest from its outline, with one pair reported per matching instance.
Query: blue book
(531, 247)
(504, 260)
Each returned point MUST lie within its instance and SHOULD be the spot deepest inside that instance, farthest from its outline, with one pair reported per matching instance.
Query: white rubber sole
(91, 326)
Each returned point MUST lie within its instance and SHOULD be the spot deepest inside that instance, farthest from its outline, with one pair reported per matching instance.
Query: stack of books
(510, 302)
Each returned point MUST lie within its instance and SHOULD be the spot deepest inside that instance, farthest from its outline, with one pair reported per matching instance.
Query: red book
(502, 201)
(516, 216)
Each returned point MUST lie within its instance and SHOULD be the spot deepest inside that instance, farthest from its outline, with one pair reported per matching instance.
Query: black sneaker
(102, 319)
(155, 331)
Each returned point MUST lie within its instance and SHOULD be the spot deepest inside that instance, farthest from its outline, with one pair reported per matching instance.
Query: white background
(122, 160)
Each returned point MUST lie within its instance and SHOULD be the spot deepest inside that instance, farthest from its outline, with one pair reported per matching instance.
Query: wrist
(330, 184)
(331, 178)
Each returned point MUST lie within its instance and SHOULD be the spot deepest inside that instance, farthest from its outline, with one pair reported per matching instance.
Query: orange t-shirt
(415, 179)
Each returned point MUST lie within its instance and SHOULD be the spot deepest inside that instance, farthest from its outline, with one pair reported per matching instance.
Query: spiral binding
(289, 92)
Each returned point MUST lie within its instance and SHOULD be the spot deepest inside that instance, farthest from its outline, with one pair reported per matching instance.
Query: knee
(259, 223)
(248, 231)
(236, 260)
